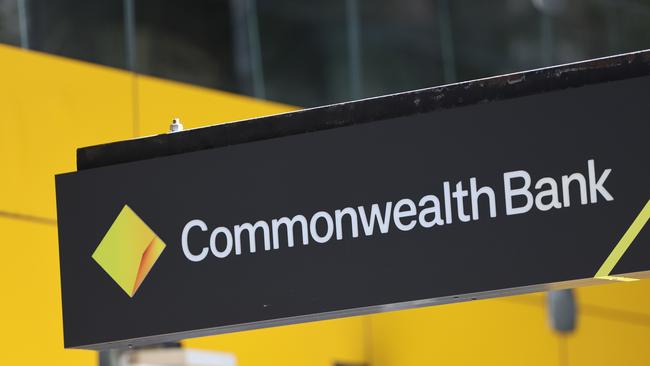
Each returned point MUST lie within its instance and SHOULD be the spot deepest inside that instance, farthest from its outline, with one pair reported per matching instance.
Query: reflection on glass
(186, 41)
(304, 51)
(326, 51)
(86, 30)
(9, 22)
(401, 46)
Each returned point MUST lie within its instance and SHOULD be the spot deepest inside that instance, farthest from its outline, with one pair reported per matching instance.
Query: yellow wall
(613, 326)
(50, 106)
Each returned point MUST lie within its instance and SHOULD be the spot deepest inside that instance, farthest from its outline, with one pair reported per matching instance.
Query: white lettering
(251, 236)
(289, 226)
(398, 214)
(213, 242)
(596, 186)
(314, 230)
(434, 209)
(476, 193)
(520, 197)
(369, 225)
(338, 217)
(582, 184)
(185, 245)
(552, 192)
(523, 191)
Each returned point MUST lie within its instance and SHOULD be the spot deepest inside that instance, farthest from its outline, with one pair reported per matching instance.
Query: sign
(521, 194)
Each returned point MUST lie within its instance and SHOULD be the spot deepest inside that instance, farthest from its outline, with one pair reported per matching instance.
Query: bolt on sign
(519, 183)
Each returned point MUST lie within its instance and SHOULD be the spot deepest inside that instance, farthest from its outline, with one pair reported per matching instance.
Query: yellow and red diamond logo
(128, 251)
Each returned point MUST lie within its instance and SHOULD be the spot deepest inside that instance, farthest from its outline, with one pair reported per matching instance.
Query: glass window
(317, 52)
(401, 45)
(87, 30)
(9, 22)
(586, 30)
(500, 36)
(304, 54)
(495, 37)
(322, 52)
(186, 41)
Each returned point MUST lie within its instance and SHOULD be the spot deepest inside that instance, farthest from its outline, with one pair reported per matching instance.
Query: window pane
(9, 25)
(307, 51)
(186, 41)
(304, 51)
(500, 36)
(87, 30)
(495, 37)
(401, 45)
(600, 28)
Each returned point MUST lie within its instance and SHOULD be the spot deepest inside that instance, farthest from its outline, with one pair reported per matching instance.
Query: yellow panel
(315, 344)
(627, 296)
(485, 332)
(32, 329)
(50, 106)
(606, 341)
(162, 100)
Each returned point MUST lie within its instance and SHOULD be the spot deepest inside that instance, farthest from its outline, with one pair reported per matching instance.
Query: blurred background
(76, 73)
(309, 53)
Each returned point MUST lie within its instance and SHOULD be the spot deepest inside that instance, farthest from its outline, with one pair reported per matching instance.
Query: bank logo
(128, 251)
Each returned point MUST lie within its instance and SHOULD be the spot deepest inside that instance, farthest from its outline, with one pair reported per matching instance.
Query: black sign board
(514, 184)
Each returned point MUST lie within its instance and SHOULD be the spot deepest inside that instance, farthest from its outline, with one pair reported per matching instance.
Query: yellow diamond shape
(128, 251)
